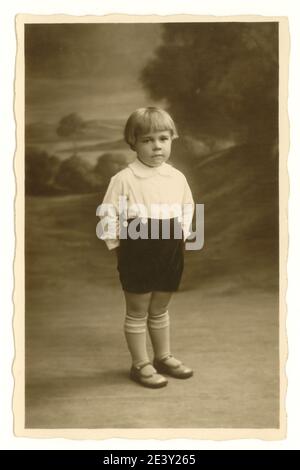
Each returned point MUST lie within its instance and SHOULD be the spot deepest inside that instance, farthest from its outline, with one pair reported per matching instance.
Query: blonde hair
(150, 119)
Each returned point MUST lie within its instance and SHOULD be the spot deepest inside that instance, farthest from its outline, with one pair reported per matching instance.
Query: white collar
(144, 171)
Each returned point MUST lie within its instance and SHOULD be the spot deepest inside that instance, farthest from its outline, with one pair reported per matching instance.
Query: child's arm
(188, 208)
(109, 214)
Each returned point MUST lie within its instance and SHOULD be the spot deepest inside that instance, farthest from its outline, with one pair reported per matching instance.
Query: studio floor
(77, 362)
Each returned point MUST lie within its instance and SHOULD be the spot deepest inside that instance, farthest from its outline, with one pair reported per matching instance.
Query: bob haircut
(144, 120)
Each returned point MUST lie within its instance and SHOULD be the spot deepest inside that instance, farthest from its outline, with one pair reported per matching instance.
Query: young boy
(158, 204)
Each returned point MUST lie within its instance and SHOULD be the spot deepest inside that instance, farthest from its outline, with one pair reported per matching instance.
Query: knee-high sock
(135, 334)
(159, 331)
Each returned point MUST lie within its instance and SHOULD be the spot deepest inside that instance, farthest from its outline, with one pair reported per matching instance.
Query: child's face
(154, 148)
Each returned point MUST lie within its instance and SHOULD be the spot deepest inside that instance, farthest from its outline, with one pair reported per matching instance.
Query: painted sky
(91, 69)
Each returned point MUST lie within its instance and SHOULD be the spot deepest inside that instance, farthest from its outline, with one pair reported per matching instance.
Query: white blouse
(149, 192)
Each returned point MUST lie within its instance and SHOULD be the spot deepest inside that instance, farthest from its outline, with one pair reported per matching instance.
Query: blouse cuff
(111, 244)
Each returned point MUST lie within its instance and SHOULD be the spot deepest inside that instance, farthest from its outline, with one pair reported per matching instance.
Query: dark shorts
(149, 264)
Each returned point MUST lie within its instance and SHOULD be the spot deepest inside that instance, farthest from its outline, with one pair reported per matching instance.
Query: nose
(157, 145)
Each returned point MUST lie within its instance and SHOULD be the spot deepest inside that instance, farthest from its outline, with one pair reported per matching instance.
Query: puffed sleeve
(188, 207)
(108, 211)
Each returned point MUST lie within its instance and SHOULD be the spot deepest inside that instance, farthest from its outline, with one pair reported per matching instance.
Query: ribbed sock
(159, 331)
(135, 334)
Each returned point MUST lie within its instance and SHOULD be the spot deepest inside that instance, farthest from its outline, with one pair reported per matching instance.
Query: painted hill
(45, 132)
(239, 188)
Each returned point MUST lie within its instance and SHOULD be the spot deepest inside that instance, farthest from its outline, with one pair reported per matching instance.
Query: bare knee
(159, 303)
(157, 310)
(137, 304)
(136, 313)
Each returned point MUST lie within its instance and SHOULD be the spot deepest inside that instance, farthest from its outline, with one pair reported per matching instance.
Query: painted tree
(219, 78)
(40, 171)
(76, 176)
(71, 126)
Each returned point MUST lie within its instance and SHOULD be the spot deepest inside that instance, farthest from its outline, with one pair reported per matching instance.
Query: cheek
(144, 151)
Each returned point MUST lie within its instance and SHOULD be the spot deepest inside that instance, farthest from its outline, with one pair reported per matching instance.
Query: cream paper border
(19, 265)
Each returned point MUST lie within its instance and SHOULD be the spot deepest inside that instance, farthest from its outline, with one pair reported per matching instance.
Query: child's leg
(159, 330)
(135, 326)
(158, 323)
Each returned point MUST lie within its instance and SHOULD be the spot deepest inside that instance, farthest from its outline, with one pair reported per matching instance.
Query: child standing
(150, 265)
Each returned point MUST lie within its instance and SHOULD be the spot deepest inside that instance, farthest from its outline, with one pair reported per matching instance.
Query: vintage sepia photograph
(150, 268)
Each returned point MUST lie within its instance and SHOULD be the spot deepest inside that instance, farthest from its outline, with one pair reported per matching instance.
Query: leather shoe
(149, 378)
(174, 368)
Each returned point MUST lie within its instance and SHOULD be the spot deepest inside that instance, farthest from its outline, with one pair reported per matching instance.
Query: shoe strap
(143, 364)
(149, 374)
(140, 368)
(164, 359)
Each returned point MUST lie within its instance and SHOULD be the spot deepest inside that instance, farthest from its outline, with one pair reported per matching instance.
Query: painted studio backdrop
(220, 83)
